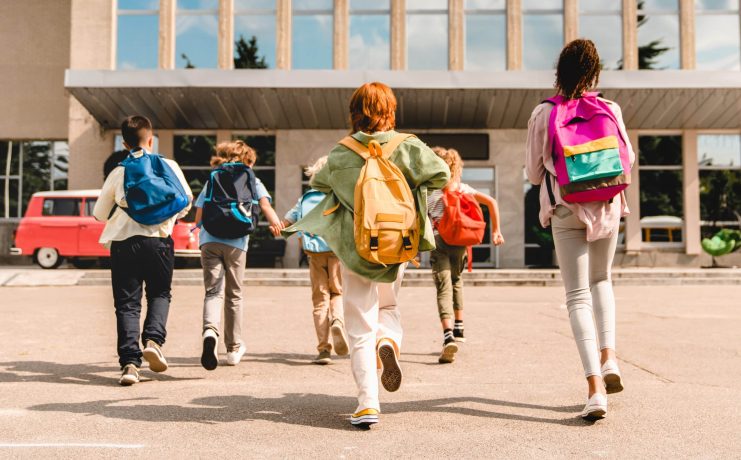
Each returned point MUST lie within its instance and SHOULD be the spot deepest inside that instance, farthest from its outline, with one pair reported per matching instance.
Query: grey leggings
(585, 269)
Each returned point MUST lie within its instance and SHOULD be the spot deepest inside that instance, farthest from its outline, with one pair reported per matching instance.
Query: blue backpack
(152, 189)
(230, 210)
(312, 243)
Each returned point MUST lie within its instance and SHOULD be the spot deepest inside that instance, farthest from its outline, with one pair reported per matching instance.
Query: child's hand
(276, 226)
(275, 230)
(496, 238)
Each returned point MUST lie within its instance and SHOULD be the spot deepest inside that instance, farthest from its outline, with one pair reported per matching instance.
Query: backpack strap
(390, 146)
(356, 146)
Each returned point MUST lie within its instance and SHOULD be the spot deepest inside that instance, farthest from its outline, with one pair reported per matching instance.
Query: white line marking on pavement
(72, 445)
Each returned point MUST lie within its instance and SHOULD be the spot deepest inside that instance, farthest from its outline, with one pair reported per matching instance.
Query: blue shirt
(240, 243)
(311, 243)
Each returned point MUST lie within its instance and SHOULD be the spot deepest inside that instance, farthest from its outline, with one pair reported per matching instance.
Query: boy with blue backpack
(227, 213)
(325, 275)
(140, 201)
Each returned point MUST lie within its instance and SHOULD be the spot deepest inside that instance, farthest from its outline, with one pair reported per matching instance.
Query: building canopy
(306, 99)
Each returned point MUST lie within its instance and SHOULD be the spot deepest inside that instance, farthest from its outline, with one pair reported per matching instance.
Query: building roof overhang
(317, 99)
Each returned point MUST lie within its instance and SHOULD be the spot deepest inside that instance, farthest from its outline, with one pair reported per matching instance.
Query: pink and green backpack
(589, 153)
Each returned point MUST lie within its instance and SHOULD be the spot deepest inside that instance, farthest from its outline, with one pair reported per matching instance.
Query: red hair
(373, 108)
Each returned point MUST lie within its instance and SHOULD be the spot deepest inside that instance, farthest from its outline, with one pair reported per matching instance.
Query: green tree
(650, 52)
(247, 54)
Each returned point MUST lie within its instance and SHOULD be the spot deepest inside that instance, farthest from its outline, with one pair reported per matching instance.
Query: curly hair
(373, 108)
(578, 68)
(453, 159)
(313, 169)
(234, 151)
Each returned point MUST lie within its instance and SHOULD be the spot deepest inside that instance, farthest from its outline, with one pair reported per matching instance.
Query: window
(265, 170)
(486, 35)
(254, 34)
(483, 180)
(542, 33)
(660, 169)
(193, 153)
(370, 42)
(602, 22)
(427, 34)
(137, 34)
(312, 34)
(196, 33)
(118, 143)
(61, 207)
(90, 206)
(474, 146)
(717, 35)
(719, 159)
(34, 166)
(658, 34)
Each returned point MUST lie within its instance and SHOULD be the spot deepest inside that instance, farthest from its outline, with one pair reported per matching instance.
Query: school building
(467, 74)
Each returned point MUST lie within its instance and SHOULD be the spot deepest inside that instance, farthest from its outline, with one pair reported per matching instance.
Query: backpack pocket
(593, 160)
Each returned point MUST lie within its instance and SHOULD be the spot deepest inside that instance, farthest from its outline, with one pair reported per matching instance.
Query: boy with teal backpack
(326, 280)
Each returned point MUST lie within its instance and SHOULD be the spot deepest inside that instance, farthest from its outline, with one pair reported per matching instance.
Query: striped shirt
(436, 206)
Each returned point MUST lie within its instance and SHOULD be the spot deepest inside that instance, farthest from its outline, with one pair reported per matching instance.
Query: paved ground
(514, 392)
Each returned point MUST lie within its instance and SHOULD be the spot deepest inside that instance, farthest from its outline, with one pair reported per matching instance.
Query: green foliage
(724, 242)
(188, 64)
(543, 236)
(246, 54)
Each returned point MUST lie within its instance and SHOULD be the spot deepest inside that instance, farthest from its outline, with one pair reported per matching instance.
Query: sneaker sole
(391, 374)
(449, 352)
(209, 361)
(156, 362)
(460, 339)
(127, 382)
(322, 362)
(338, 341)
(594, 414)
(364, 422)
(613, 383)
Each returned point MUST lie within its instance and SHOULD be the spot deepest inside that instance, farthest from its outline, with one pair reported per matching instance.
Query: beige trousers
(585, 269)
(371, 313)
(326, 294)
(223, 270)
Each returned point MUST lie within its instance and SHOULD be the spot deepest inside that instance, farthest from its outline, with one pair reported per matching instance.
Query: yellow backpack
(386, 223)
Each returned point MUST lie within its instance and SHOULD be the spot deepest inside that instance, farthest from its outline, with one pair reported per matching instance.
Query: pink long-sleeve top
(600, 217)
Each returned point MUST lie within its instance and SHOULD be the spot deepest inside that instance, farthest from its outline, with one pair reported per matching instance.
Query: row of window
(717, 31)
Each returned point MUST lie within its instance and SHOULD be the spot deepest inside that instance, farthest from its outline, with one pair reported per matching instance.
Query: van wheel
(83, 263)
(48, 258)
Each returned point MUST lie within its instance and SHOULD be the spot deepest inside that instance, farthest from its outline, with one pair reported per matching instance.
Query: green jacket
(424, 171)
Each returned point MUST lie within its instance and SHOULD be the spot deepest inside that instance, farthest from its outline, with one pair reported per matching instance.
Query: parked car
(59, 225)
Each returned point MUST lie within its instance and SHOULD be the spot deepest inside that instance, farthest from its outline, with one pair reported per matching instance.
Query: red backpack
(462, 222)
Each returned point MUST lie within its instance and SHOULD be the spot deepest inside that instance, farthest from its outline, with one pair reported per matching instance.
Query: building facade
(467, 73)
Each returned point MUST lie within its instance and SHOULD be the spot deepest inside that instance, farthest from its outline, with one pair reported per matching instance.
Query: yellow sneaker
(364, 418)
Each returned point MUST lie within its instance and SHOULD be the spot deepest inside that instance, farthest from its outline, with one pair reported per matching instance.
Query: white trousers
(585, 269)
(371, 313)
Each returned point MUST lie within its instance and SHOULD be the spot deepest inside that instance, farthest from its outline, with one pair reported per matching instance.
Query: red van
(59, 225)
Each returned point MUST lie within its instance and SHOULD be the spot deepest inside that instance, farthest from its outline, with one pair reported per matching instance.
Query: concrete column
(687, 34)
(341, 34)
(514, 34)
(507, 155)
(92, 41)
(398, 35)
(570, 20)
(633, 238)
(456, 19)
(691, 198)
(166, 140)
(283, 34)
(630, 35)
(226, 34)
(167, 34)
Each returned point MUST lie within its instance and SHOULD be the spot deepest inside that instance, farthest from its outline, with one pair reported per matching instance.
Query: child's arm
(496, 234)
(293, 215)
(275, 224)
(107, 199)
(199, 216)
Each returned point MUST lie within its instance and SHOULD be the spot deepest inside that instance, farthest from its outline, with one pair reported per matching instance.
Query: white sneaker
(596, 407)
(235, 356)
(209, 356)
(611, 376)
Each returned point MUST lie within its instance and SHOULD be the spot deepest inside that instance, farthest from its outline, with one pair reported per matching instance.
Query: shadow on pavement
(78, 374)
(315, 410)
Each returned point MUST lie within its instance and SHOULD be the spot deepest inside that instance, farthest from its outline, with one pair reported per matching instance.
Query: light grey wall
(35, 37)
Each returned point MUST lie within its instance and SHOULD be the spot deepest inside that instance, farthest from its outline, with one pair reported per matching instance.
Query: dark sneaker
(391, 374)
(323, 358)
(153, 354)
(339, 339)
(448, 354)
(458, 332)
(129, 375)
(364, 419)
(209, 356)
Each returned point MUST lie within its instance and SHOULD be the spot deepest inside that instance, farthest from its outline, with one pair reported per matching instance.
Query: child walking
(585, 228)
(326, 279)
(223, 260)
(139, 237)
(370, 289)
(448, 260)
